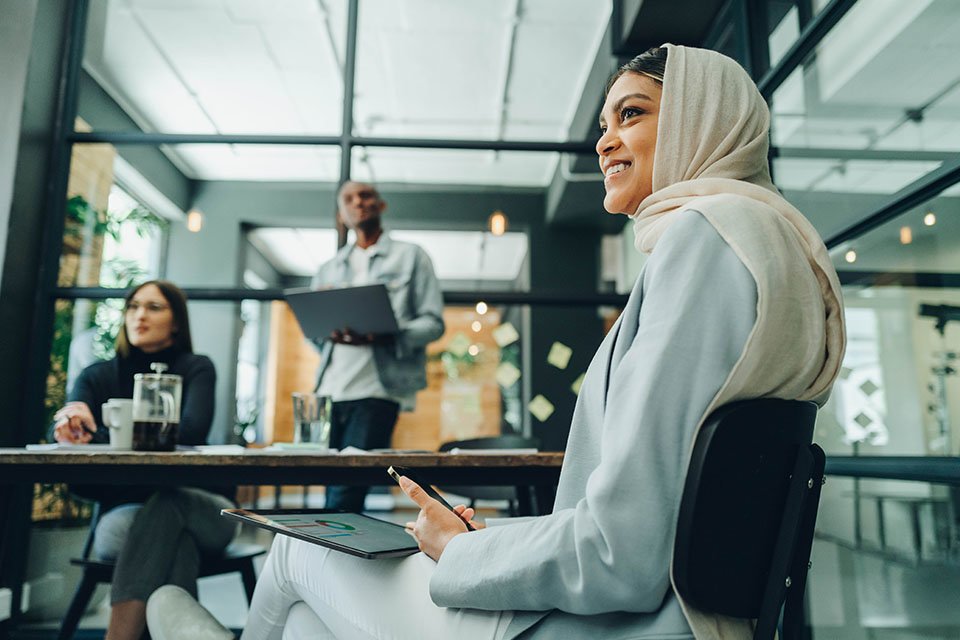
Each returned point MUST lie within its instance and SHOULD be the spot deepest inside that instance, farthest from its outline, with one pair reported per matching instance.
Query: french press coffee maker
(156, 409)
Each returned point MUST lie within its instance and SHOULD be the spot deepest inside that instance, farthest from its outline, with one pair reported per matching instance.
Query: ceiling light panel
(257, 162)
(435, 69)
(451, 166)
(851, 176)
(456, 255)
(295, 251)
(224, 67)
(861, 88)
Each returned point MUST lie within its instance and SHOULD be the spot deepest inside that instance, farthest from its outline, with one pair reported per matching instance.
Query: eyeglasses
(149, 307)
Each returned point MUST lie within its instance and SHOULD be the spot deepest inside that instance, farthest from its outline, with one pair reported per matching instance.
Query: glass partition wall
(265, 109)
(235, 123)
(866, 142)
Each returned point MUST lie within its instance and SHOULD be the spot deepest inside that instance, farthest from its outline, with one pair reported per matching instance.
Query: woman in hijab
(737, 300)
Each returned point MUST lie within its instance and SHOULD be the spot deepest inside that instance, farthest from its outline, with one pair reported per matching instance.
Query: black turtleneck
(139, 362)
(114, 379)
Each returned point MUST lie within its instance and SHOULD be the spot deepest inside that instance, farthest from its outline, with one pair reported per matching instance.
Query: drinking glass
(311, 419)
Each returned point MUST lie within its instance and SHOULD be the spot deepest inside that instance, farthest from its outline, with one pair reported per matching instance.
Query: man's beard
(368, 225)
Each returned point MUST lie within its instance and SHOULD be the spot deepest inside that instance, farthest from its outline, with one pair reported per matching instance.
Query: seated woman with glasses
(155, 536)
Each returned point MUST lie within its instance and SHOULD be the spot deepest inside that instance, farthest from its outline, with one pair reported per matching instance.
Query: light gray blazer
(599, 566)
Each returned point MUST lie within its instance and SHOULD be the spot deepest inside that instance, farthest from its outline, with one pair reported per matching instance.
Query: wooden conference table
(21, 468)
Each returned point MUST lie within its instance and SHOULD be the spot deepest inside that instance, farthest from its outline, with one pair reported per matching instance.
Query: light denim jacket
(417, 302)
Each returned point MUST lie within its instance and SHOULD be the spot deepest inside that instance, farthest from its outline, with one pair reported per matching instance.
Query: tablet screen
(368, 536)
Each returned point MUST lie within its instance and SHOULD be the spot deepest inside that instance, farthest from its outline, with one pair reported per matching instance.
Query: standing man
(370, 378)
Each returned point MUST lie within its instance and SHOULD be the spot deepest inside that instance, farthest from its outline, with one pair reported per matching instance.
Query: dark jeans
(365, 424)
(160, 542)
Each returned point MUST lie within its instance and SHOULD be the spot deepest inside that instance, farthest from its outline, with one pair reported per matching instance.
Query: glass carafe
(156, 409)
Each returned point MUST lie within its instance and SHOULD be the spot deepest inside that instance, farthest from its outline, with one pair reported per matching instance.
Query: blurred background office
(202, 141)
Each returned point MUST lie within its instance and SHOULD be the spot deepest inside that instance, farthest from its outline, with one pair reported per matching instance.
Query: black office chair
(507, 493)
(236, 557)
(747, 515)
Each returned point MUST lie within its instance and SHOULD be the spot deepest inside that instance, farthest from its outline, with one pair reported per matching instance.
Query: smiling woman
(738, 299)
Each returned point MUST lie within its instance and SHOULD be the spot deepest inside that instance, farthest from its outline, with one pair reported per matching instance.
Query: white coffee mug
(118, 417)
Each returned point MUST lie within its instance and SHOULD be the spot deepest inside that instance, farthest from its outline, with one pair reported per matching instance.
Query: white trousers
(356, 599)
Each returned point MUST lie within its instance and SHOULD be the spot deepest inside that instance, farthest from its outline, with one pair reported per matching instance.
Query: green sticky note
(575, 387)
(458, 345)
(507, 374)
(559, 355)
(541, 408)
(505, 334)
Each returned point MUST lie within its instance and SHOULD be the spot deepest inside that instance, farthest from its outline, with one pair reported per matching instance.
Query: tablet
(352, 533)
(363, 310)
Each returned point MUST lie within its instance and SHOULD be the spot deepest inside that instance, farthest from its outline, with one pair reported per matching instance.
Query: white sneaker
(173, 614)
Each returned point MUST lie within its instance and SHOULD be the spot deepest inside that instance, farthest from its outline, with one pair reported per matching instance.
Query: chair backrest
(746, 519)
(94, 521)
(506, 441)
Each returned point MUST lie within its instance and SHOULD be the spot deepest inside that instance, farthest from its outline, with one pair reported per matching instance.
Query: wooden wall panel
(446, 410)
(291, 366)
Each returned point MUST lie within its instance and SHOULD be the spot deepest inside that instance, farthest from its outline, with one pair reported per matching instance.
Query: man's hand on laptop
(348, 337)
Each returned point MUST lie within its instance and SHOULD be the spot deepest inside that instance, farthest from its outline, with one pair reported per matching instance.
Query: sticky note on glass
(559, 355)
(575, 387)
(505, 334)
(541, 408)
(507, 374)
(458, 345)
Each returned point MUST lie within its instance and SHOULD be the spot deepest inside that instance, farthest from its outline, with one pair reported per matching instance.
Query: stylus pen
(396, 472)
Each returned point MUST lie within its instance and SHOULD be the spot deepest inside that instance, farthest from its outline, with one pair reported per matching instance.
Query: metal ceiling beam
(914, 194)
(135, 138)
(346, 126)
(226, 294)
(897, 155)
(809, 38)
(508, 68)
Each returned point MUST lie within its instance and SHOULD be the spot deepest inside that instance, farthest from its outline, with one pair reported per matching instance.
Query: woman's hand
(74, 424)
(436, 525)
(466, 514)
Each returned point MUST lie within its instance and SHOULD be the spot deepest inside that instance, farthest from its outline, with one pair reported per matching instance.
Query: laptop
(363, 310)
(352, 533)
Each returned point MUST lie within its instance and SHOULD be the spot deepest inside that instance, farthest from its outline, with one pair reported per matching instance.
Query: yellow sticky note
(575, 387)
(559, 355)
(541, 408)
(505, 334)
(507, 374)
(458, 345)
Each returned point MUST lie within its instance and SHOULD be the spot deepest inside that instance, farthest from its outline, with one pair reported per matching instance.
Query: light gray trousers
(160, 542)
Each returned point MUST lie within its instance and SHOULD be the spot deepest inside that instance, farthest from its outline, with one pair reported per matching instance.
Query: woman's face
(628, 125)
(149, 320)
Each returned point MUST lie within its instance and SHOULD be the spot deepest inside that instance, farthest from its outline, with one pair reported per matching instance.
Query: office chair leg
(81, 598)
(249, 577)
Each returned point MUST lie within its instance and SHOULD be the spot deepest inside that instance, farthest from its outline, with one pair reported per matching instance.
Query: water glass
(311, 419)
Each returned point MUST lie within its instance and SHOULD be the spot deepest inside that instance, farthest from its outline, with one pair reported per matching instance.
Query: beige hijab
(711, 156)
